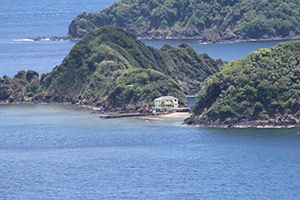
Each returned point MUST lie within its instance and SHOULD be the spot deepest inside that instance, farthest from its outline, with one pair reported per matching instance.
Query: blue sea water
(51, 152)
(21, 19)
(54, 152)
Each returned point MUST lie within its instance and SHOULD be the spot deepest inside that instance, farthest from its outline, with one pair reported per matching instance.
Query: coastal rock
(22, 85)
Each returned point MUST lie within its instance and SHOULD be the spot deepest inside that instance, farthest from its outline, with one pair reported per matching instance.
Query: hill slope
(110, 68)
(260, 89)
(106, 52)
(207, 20)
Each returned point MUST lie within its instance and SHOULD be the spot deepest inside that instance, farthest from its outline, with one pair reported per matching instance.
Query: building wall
(168, 103)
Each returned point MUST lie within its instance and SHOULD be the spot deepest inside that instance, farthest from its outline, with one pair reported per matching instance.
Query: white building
(166, 101)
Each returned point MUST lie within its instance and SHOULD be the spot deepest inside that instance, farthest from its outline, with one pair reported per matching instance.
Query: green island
(259, 90)
(111, 69)
(209, 21)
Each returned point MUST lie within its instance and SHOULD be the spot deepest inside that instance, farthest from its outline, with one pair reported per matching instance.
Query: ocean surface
(55, 152)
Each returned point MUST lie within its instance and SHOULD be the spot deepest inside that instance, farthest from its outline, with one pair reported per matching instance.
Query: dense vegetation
(142, 86)
(110, 68)
(22, 86)
(208, 20)
(105, 53)
(190, 68)
(263, 87)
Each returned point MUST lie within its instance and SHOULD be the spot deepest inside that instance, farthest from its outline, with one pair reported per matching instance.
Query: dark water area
(54, 152)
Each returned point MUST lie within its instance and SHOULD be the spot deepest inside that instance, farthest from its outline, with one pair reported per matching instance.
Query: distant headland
(209, 22)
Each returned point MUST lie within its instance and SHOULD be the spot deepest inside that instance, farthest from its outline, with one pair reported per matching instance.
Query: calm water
(52, 152)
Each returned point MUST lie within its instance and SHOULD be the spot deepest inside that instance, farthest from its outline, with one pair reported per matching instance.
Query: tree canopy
(207, 20)
(264, 86)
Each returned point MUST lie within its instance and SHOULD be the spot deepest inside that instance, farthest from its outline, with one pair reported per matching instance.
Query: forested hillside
(260, 89)
(110, 68)
(212, 21)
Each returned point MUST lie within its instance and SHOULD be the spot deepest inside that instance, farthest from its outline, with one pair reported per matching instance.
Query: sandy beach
(171, 116)
(176, 115)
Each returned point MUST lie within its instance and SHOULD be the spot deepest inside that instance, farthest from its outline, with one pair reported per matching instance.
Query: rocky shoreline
(246, 126)
(200, 38)
(54, 38)
(276, 122)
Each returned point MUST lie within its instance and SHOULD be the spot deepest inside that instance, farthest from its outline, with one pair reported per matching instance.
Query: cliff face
(210, 21)
(261, 89)
(110, 68)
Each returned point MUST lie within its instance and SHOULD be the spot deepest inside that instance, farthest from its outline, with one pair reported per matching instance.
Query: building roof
(165, 98)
